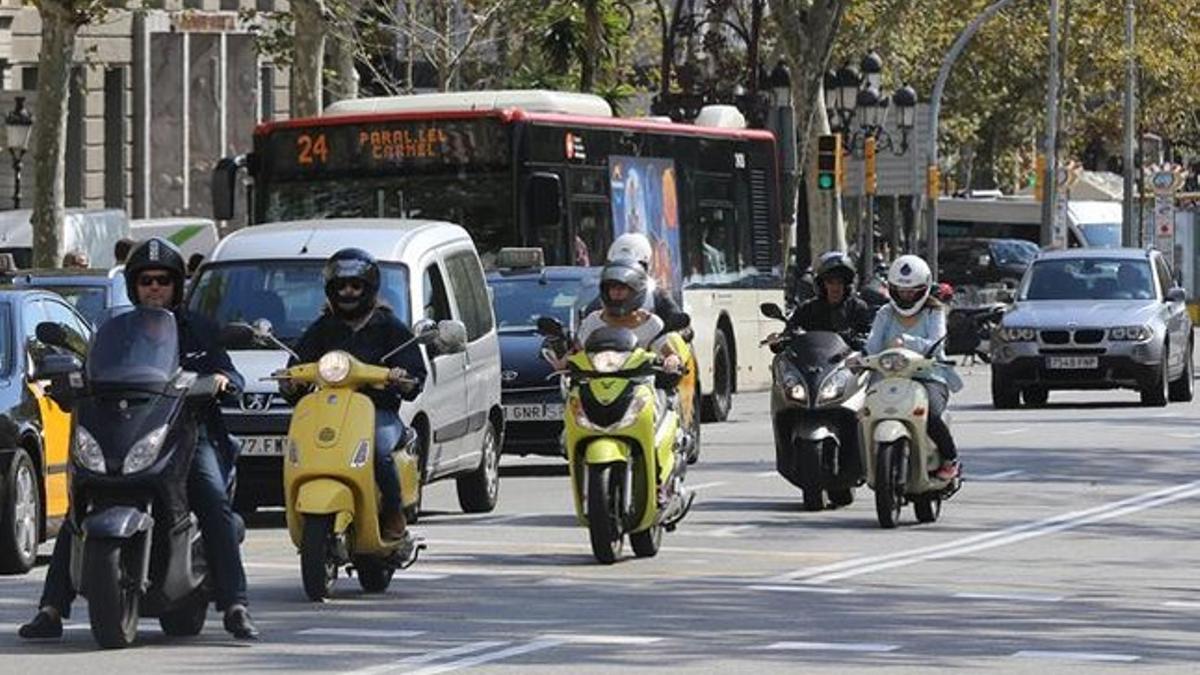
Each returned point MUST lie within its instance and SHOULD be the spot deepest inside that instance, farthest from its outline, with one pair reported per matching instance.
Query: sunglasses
(353, 284)
(155, 280)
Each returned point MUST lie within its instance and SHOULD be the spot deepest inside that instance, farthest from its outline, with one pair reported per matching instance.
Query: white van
(93, 231)
(1089, 223)
(430, 270)
(192, 235)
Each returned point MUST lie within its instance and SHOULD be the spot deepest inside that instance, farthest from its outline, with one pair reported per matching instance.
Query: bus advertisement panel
(644, 201)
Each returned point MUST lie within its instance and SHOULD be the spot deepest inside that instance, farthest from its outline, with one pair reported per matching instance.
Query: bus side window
(436, 304)
(593, 233)
(714, 253)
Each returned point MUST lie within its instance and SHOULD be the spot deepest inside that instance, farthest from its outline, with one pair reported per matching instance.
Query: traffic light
(829, 161)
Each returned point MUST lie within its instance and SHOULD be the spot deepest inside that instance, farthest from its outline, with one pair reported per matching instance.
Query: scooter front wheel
(317, 567)
(889, 483)
(112, 599)
(604, 511)
(374, 575)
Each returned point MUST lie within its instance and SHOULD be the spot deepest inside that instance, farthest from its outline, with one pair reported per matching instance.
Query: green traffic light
(825, 181)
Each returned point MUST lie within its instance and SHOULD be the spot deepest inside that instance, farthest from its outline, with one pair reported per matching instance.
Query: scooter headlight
(893, 363)
(631, 414)
(608, 361)
(834, 386)
(87, 451)
(145, 451)
(798, 392)
(334, 367)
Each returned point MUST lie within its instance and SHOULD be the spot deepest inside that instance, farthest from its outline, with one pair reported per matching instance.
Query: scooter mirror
(52, 333)
(263, 327)
(772, 311)
(236, 334)
(549, 326)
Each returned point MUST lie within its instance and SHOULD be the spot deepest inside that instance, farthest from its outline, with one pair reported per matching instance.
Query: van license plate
(263, 446)
(533, 412)
(1072, 362)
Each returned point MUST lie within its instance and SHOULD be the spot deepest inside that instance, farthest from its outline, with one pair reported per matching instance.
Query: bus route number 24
(311, 149)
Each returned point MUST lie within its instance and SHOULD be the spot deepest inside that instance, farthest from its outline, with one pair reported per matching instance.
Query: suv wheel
(1156, 393)
(1036, 397)
(1183, 389)
(1004, 395)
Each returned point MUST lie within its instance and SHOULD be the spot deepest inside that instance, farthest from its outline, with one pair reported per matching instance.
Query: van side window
(436, 302)
(470, 290)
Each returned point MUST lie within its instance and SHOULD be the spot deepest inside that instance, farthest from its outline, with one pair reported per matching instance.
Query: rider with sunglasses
(356, 321)
(154, 276)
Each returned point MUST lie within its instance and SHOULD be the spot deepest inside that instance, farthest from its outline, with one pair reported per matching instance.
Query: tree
(61, 20)
(308, 56)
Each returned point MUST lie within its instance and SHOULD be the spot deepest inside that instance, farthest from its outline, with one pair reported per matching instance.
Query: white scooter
(900, 458)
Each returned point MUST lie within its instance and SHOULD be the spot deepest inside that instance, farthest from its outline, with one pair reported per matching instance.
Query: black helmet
(629, 273)
(352, 264)
(836, 262)
(155, 254)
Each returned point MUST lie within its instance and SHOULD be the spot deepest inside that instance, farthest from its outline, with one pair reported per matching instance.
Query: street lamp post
(18, 124)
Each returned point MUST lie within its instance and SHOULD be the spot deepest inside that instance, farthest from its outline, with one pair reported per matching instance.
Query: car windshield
(1014, 252)
(1090, 279)
(288, 293)
(134, 345)
(520, 301)
(90, 301)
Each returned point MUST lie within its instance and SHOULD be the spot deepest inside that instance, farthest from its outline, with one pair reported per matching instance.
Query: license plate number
(1072, 362)
(533, 412)
(263, 446)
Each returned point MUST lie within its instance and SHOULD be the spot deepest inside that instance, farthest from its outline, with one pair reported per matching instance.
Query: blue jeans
(208, 499)
(389, 430)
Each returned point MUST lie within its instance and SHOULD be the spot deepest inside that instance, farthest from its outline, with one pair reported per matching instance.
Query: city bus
(556, 171)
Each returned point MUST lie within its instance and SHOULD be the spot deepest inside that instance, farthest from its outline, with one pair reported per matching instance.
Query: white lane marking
(802, 589)
(1018, 597)
(1000, 475)
(400, 574)
(731, 531)
(1181, 604)
(1189, 436)
(986, 540)
(601, 639)
(518, 516)
(766, 474)
(478, 659)
(364, 633)
(833, 647)
(1009, 432)
(705, 486)
(1076, 656)
(429, 657)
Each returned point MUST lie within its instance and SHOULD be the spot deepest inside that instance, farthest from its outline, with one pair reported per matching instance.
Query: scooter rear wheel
(604, 511)
(112, 600)
(647, 542)
(927, 509)
(889, 482)
(185, 621)
(317, 568)
(374, 575)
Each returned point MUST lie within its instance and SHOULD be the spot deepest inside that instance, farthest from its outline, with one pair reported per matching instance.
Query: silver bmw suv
(1094, 319)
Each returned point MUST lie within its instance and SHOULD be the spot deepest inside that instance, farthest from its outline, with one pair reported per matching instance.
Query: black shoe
(41, 627)
(238, 623)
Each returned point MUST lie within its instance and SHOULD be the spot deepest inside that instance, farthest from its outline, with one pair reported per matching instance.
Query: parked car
(430, 271)
(1095, 319)
(533, 404)
(973, 261)
(91, 292)
(34, 431)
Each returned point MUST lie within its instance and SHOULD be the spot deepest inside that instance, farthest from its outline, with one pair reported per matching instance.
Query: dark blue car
(533, 404)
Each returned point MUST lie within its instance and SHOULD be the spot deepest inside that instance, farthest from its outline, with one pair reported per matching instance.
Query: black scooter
(815, 401)
(136, 548)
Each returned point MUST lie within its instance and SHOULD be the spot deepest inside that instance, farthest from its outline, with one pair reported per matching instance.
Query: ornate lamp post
(18, 124)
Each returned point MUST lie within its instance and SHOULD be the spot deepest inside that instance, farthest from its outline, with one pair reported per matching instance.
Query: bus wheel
(717, 404)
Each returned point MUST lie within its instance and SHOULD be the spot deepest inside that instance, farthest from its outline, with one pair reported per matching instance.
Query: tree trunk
(410, 21)
(592, 44)
(309, 57)
(342, 51)
(49, 133)
(443, 26)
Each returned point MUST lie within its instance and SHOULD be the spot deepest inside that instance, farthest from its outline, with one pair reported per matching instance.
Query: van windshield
(288, 293)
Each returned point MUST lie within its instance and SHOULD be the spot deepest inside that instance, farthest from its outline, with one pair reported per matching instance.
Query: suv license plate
(534, 412)
(1072, 362)
(263, 446)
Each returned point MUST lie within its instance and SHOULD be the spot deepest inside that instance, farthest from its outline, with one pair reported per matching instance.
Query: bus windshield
(479, 201)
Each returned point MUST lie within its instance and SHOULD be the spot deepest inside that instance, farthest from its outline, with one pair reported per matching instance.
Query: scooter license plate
(1072, 362)
(263, 446)
(533, 412)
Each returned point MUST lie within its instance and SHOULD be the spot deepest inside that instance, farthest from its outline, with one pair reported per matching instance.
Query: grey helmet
(625, 272)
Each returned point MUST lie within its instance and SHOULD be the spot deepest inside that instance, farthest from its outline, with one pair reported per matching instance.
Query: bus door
(542, 194)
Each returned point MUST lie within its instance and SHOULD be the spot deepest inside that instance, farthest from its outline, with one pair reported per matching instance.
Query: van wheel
(718, 402)
(20, 515)
(478, 490)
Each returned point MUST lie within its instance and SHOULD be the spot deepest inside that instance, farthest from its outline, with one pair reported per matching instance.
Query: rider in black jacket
(154, 277)
(835, 307)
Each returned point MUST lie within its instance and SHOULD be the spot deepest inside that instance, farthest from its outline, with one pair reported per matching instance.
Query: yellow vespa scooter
(329, 485)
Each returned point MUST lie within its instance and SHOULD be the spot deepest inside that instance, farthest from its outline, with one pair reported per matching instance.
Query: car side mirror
(772, 311)
(52, 333)
(1176, 294)
(548, 326)
(236, 335)
(53, 366)
(451, 337)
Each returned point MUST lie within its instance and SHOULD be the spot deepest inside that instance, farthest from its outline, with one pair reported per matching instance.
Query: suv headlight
(1009, 334)
(334, 367)
(834, 386)
(1130, 333)
(608, 361)
(145, 451)
(87, 451)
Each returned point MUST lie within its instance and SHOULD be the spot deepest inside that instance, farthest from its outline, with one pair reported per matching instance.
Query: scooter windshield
(135, 345)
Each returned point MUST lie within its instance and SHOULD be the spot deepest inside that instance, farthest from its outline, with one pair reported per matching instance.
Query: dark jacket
(851, 318)
(200, 353)
(382, 333)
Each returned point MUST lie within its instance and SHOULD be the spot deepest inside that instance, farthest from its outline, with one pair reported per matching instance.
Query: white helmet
(909, 273)
(632, 245)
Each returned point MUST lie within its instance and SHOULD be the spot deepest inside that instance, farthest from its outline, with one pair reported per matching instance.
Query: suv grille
(1055, 337)
(1089, 337)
